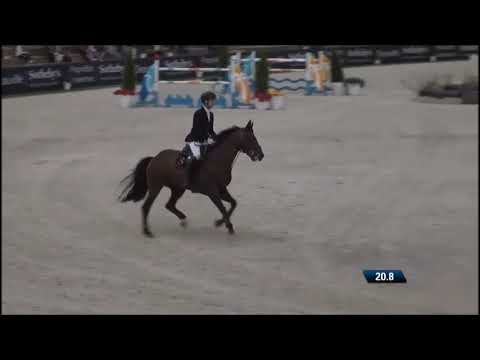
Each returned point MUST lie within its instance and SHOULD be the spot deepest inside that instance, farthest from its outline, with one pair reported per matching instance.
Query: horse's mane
(223, 135)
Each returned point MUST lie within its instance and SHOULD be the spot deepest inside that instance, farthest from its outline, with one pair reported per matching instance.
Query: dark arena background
(386, 178)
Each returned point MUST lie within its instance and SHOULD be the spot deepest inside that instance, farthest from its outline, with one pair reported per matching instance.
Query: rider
(202, 131)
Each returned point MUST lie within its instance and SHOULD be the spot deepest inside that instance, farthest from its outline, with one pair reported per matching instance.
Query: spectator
(67, 57)
(51, 55)
(152, 56)
(101, 53)
(112, 53)
(21, 54)
(92, 54)
(125, 50)
(58, 55)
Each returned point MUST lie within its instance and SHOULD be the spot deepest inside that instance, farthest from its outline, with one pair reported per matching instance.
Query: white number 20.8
(382, 276)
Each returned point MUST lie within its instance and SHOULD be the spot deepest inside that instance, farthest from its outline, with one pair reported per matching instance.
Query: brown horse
(212, 175)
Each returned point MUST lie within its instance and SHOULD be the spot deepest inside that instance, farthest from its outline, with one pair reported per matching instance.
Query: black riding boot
(188, 172)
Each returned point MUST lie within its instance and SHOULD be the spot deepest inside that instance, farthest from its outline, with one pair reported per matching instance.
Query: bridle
(237, 151)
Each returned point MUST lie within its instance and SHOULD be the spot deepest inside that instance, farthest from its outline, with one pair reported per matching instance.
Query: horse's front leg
(225, 196)
(215, 197)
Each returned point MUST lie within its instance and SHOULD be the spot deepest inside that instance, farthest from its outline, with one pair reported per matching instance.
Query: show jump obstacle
(238, 89)
(316, 80)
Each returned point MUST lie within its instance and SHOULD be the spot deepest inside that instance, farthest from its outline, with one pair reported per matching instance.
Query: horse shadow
(210, 234)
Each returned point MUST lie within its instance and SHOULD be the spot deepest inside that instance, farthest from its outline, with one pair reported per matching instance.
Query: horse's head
(249, 144)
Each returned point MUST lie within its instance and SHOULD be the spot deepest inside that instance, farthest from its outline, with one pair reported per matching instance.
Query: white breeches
(195, 148)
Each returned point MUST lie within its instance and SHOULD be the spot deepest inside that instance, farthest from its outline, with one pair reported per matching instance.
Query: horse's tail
(136, 187)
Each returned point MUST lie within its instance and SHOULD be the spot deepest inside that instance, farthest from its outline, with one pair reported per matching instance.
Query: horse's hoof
(147, 233)
(218, 223)
(184, 223)
(231, 231)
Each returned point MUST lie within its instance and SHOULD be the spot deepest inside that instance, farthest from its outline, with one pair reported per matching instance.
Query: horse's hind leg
(152, 195)
(170, 205)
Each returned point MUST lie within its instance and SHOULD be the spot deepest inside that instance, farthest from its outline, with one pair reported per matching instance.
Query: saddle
(186, 153)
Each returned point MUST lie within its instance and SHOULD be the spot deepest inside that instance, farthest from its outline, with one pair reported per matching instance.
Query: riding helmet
(208, 95)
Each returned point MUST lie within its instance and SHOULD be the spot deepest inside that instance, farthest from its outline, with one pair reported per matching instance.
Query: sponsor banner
(110, 72)
(415, 54)
(341, 52)
(444, 52)
(468, 49)
(215, 76)
(81, 74)
(14, 80)
(179, 62)
(358, 56)
(451, 56)
(32, 78)
(359, 53)
(445, 48)
(177, 75)
(45, 76)
(388, 55)
(449, 52)
(208, 61)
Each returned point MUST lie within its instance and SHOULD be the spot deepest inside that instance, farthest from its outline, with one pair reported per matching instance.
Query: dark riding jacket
(202, 127)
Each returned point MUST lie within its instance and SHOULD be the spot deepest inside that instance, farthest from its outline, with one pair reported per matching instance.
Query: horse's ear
(249, 125)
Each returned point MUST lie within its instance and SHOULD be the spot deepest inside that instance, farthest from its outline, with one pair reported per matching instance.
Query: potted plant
(127, 92)
(337, 75)
(354, 85)
(262, 96)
